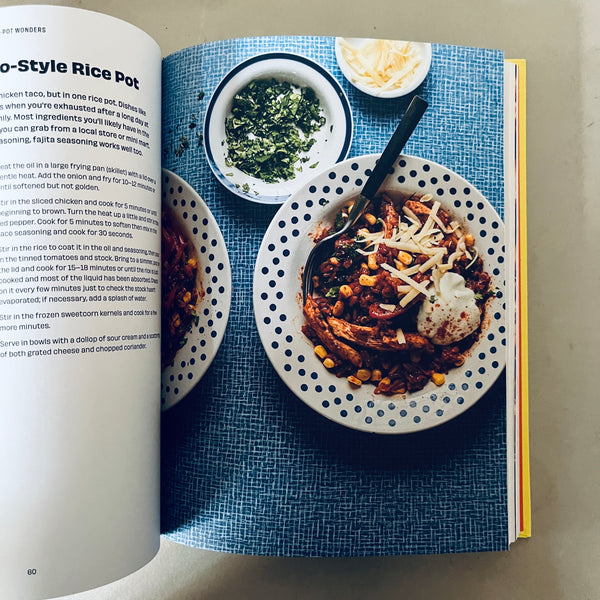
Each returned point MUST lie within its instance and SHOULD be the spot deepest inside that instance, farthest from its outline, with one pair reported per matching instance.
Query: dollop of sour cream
(451, 315)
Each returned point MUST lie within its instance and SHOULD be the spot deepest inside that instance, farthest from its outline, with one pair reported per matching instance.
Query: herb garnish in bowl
(271, 127)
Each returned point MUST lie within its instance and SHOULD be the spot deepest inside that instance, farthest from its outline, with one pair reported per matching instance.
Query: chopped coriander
(340, 219)
(486, 295)
(271, 129)
(184, 143)
(346, 250)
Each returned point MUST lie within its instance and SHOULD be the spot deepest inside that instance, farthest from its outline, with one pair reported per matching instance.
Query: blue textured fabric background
(247, 467)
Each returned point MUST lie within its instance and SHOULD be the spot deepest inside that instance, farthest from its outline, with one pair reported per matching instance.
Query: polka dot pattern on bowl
(203, 341)
(278, 299)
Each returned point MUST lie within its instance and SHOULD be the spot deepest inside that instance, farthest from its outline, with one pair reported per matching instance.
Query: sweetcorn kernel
(405, 258)
(345, 291)
(338, 309)
(328, 363)
(376, 375)
(370, 218)
(354, 381)
(320, 351)
(438, 378)
(366, 280)
(363, 374)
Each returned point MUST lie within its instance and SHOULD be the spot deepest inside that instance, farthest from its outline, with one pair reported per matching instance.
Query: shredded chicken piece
(317, 322)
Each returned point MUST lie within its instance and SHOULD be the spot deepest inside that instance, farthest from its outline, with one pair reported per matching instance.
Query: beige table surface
(561, 41)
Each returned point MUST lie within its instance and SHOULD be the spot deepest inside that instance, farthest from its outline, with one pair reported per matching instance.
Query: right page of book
(248, 467)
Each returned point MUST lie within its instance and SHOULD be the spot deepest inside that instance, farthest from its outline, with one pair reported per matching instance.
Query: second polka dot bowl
(278, 299)
(204, 339)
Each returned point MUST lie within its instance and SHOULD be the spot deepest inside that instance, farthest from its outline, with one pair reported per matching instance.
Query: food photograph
(370, 236)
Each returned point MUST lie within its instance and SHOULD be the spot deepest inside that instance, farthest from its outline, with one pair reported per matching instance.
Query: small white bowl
(332, 140)
(423, 49)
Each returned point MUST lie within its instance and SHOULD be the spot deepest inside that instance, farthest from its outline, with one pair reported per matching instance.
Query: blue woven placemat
(246, 466)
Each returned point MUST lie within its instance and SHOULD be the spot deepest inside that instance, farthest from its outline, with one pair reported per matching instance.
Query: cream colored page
(512, 414)
(79, 300)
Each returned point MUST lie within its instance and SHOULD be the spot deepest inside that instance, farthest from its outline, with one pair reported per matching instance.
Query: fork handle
(407, 125)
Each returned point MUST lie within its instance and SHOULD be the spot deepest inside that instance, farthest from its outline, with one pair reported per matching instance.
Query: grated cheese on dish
(419, 287)
(400, 336)
(417, 238)
(388, 307)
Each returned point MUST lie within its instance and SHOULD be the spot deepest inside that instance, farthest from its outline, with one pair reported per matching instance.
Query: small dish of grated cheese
(383, 68)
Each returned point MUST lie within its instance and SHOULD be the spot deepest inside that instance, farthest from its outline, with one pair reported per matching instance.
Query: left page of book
(79, 299)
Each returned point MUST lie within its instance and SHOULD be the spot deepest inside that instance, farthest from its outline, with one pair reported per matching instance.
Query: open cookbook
(163, 373)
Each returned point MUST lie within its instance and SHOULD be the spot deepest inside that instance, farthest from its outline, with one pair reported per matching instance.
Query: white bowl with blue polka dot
(278, 299)
(214, 279)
